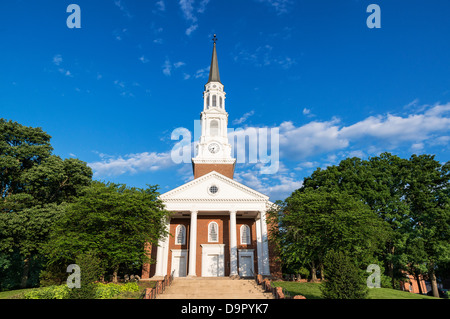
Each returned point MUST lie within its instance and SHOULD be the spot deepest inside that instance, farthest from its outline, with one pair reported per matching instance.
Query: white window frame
(209, 233)
(177, 233)
(249, 235)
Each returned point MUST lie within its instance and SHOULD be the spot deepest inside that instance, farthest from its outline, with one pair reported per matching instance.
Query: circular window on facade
(213, 189)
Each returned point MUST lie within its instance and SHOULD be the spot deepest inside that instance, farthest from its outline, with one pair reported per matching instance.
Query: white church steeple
(214, 150)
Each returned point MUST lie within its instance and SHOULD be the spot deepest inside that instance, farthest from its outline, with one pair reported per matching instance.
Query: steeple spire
(214, 75)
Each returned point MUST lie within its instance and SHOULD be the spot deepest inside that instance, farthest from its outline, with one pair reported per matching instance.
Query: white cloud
(57, 59)
(277, 186)
(190, 13)
(280, 6)
(178, 64)
(262, 56)
(143, 59)
(191, 29)
(243, 118)
(160, 6)
(202, 73)
(168, 66)
(131, 164)
(187, 8)
(121, 6)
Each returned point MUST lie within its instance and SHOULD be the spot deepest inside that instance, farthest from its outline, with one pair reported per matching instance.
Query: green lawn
(312, 291)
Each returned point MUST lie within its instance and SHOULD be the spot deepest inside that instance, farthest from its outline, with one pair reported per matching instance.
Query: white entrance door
(179, 258)
(246, 268)
(212, 268)
(213, 260)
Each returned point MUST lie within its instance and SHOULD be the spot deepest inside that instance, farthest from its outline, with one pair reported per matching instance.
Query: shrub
(51, 292)
(91, 269)
(343, 280)
(111, 290)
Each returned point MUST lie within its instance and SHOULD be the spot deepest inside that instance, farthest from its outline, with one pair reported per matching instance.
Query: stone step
(214, 288)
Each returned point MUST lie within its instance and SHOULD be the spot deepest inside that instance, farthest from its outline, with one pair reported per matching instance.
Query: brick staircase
(214, 288)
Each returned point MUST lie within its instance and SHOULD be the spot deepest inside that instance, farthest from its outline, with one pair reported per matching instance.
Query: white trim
(193, 245)
(179, 253)
(213, 249)
(247, 253)
(233, 245)
(265, 245)
(177, 233)
(259, 245)
(249, 235)
(209, 232)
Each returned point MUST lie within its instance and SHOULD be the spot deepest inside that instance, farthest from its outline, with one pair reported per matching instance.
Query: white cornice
(213, 161)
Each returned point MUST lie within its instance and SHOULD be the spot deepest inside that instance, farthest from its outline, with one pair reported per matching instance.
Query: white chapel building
(218, 227)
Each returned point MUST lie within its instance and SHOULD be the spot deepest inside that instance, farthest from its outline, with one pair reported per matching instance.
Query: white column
(259, 245)
(193, 245)
(159, 258)
(265, 245)
(233, 244)
(162, 252)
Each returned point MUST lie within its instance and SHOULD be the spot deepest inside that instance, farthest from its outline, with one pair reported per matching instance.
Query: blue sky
(112, 92)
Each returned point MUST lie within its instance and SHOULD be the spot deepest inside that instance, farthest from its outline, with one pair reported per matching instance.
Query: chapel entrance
(213, 260)
(246, 265)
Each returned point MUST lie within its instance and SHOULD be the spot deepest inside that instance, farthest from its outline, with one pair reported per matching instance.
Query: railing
(161, 285)
(268, 286)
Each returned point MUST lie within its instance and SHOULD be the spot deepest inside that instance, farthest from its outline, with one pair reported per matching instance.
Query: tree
(313, 222)
(113, 221)
(25, 232)
(343, 280)
(427, 194)
(34, 185)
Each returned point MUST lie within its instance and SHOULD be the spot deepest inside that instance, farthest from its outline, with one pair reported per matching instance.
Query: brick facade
(202, 238)
(203, 169)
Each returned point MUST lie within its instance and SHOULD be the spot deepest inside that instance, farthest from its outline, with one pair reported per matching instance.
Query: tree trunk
(417, 276)
(391, 268)
(116, 270)
(25, 272)
(313, 272)
(434, 287)
(322, 274)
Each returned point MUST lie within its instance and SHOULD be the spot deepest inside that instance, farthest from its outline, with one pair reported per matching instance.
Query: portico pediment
(213, 187)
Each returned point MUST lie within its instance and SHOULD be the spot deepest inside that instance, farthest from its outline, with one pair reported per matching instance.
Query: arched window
(207, 101)
(214, 128)
(180, 235)
(213, 232)
(214, 101)
(245, 235)
(221, 102)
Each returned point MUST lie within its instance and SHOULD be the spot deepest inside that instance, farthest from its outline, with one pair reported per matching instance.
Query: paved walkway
(214, 288)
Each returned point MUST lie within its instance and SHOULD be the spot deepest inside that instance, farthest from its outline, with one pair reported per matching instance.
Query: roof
(214, 75)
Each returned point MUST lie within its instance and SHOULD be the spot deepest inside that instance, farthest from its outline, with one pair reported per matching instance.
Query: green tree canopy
(314, 222)
(114, 221)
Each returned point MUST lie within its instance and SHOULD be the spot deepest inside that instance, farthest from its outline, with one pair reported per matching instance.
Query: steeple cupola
(214, 150)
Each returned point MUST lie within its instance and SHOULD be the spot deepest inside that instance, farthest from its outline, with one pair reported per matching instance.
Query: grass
(18, 294)
(311, 291)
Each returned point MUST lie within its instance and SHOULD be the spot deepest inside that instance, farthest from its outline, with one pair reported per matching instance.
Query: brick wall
(203, 169)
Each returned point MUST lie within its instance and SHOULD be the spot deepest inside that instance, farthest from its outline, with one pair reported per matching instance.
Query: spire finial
(214, 70)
